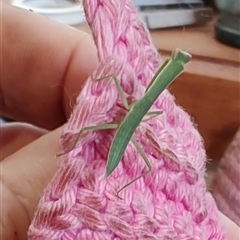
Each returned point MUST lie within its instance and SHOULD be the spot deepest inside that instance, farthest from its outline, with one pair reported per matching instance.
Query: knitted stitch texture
(171, 202)
(226, 185)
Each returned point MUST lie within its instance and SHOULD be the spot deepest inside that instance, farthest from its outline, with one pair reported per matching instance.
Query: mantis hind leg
(149, 166)
(119, 88)
(90, 128)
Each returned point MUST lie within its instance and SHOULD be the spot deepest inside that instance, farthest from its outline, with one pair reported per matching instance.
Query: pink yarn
(169, 203)
(226, 186)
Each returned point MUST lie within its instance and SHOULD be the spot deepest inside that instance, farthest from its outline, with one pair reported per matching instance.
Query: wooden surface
(198, 40)
(209, 90)
(222, 61)
(214, 105)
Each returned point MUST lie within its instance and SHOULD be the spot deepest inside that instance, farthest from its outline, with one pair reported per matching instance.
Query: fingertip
(45, 66)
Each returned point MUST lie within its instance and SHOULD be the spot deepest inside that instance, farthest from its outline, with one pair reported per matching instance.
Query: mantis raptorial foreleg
(123, 97)
(119, 88)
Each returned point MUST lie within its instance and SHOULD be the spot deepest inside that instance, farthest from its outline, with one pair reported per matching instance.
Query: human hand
(45, 65)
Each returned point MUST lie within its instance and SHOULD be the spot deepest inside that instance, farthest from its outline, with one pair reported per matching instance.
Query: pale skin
(26, 159)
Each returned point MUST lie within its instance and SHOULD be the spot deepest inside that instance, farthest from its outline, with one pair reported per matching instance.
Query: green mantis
(166, 74)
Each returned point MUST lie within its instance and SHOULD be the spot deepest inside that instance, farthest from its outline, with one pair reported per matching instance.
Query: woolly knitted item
(226, 185)
(171, 202)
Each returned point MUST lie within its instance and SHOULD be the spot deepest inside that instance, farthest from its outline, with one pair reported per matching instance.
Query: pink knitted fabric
(169, 203)
(226, 186)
